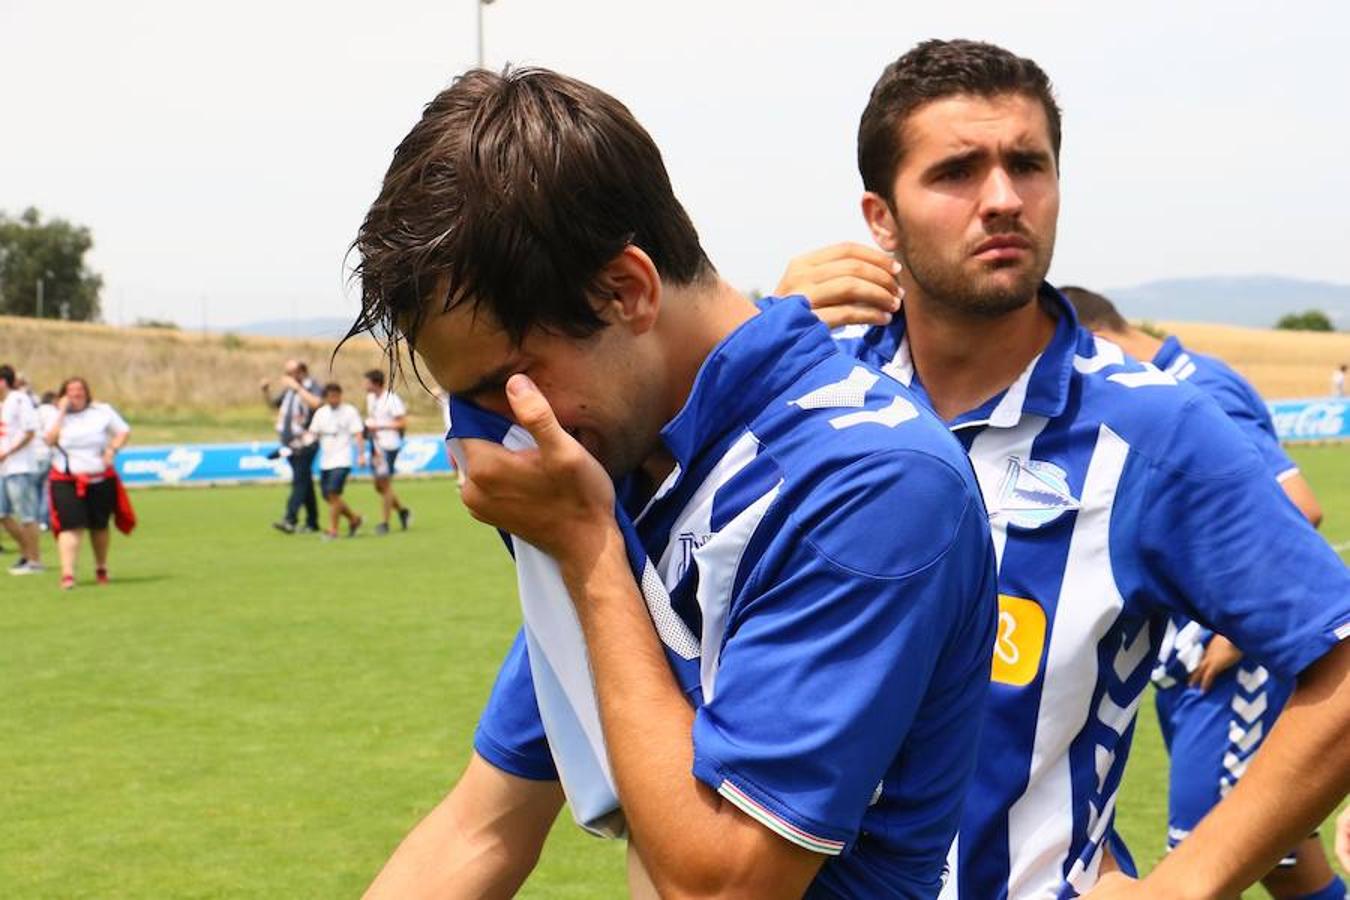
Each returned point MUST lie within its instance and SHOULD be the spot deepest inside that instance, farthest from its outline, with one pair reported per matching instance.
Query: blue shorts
(382, 464)
(1211, 738)
(332, 481)
(18, 497)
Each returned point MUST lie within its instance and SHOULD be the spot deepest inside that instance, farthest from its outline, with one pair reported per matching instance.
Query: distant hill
(1256, 301)
(325, 328)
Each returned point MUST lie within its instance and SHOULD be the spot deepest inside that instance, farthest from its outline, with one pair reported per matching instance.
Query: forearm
(1295, 780)
(683, 831)
(482, 840)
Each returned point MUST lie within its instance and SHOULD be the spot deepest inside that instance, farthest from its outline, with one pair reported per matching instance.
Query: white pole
(478, 7)
(39, 297)
(479, 4)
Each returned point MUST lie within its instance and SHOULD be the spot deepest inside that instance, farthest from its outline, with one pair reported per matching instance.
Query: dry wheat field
(171, 380)
(1282, 364)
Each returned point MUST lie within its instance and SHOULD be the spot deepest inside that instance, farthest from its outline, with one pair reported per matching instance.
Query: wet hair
(511, 194)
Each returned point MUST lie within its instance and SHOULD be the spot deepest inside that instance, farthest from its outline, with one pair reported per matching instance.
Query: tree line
(43, 273)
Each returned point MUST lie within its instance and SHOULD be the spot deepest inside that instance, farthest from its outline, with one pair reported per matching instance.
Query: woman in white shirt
(85, 437)
(337, 426)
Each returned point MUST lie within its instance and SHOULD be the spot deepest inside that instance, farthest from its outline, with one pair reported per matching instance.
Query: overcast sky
(224, 154)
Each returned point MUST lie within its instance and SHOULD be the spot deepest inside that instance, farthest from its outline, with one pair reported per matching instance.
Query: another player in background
(19, 438)
(1116, 496)
(1216, 708)
(337, 428)
(386, 421)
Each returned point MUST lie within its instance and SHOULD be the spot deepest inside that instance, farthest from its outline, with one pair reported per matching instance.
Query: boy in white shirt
(18, 492)
(338, 428)
(386, 420)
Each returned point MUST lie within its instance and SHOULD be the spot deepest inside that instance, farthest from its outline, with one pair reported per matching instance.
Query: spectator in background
(386, 421)
(295, 406)
(18, 492)
(337, 428)
(85, 437)
(46, 412)
(1338, 382)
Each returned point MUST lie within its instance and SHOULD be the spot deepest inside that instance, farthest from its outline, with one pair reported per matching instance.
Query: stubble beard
(970, 288)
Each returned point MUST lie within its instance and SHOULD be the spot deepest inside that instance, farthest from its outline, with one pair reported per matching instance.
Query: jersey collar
(751, 366)
(1041, 390)
(1168, 353)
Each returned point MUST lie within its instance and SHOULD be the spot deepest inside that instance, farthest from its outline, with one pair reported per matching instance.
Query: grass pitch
(244, 714)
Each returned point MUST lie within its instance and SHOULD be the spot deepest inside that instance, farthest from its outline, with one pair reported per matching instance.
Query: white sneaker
(24, 567)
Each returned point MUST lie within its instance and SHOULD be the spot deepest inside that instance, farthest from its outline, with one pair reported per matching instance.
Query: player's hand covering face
(557, 497)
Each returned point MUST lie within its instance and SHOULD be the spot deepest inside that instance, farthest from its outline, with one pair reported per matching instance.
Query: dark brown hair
(1095, 312)
(7, 375)
(375, 377)
(515, 190)
(932, 71)
(76, 379)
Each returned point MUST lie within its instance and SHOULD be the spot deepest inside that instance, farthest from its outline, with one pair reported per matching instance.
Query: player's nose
(999, 197)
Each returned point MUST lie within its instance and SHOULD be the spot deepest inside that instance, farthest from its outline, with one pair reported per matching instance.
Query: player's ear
(881, 221)
(629, 289)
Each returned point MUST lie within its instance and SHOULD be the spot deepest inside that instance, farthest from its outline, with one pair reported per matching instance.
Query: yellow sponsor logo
(1019, 642)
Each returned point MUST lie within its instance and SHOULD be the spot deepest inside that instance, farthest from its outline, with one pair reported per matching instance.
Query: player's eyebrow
(492, 381)
(956, 160)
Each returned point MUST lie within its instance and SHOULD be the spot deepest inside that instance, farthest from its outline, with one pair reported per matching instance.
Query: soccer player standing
(1116, 496)
(1216, 707)
(528, 246)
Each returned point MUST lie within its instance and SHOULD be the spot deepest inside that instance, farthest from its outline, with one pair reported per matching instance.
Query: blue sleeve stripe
(777, 825)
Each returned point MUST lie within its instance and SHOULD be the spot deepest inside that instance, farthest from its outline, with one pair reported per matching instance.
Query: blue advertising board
(1323, 419)
(422, 454)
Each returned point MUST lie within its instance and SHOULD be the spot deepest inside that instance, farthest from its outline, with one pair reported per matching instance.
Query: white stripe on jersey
(1008, 412)
(719, 561)
(696, 516)
(1039, 833)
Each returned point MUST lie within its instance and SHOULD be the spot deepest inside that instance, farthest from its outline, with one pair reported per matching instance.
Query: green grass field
(243, 714)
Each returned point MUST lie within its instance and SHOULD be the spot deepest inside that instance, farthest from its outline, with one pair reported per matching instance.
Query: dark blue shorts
(332, 481)
(1212, 737)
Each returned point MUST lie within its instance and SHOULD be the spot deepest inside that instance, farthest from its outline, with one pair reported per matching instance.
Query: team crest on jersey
(689, 542)
(1034, 493)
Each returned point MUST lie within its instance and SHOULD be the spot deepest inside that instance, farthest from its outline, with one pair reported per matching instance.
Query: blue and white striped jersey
(824, 541)
(1183, 644)
(1116, 496)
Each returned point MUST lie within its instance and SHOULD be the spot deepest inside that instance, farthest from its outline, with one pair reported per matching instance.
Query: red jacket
(124, 517)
